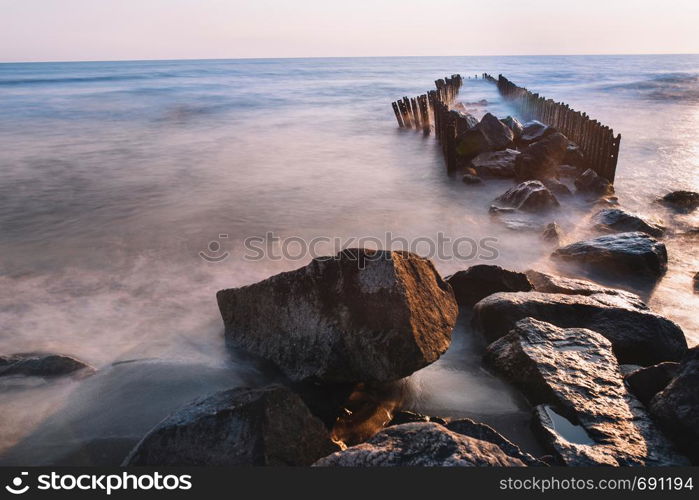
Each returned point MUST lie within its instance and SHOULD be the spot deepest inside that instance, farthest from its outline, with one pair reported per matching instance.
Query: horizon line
(64, 61)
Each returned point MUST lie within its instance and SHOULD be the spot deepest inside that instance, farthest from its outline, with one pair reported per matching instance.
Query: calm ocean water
(116, 175)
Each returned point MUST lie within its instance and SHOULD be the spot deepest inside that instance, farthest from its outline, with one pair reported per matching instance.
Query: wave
(76, 79)
(664, 87)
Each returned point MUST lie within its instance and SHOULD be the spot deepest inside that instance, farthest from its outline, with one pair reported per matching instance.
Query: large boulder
(533, 131)
(267, 426)
(638, 336)
(676, 407)
(465, 120)
(529, 196)
(471, 142)
(632, 255)
(498, 135)
(38, 364)
(482, 280)
(540, 160)
(421, 444)
(646, 382)
(682, 201)
(362, 315)
(619, 221)
(589, 183)
(548, 283)
(496, 163)
(587, 417)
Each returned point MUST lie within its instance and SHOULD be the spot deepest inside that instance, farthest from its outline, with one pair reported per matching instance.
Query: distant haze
(65, 30)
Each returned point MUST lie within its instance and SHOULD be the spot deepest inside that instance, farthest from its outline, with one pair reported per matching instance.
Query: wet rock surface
(632, 255)
(497, 134)
(362, 315)
(529, 196)
(575, 374)
(540, 160)
(471, 179)
(552, 233)
(549, 283)
(676, 407)
(591, 184)
(39, 364)
(515, 125)
(499, 164)
(682, 201)
(557, 187)
(482, 280)
(268, 426)
(646, 382)
(619, 221)
(533, 131)
(425, 444)
(638, 336)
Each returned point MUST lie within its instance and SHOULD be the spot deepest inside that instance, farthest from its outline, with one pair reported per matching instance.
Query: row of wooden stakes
(597, 142)
(417, 112)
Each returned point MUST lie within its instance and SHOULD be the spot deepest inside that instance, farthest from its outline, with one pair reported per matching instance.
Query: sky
(79, 30)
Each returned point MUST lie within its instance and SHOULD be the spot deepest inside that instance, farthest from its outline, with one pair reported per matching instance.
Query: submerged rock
(590, 183)
(646, 382)
(548, 283)
(557, 187)
(268, 426)
(39, 364)
(533, 131)
(628, 255)
(683, 201)
(497, 134)
(529, 196)
(676, 407)
(619, 221)
(407, 417)
(575, 375)
(515, 125)
(422, 444)
(471, 179)
(499, 164)
(552, 233)
(638, 336)
(568, 171)
(482, 280)
(362, 315)
(540, 160)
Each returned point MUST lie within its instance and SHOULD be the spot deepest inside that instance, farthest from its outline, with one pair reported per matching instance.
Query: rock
(499, 164)
(362, 315)
(529, 196)
(471, 179)
(482, 280)
(573, 156)
(498, 135)
(646, 382)
(626, 255)
(515, 125)
(406, 417)
(695, 280)
(585, 415)
(495, 210)
(533, 131)
(638, 336)
(676, 407)
(267, 426)
(483, 432)
(420, 444)
(590, 183)
(552, 233)
(548, 283)
(557, 187)
(39, 364)
(682, 201)
(540, 160)
(471, 143)
(469, 120)
(618, 221)
(568, 171)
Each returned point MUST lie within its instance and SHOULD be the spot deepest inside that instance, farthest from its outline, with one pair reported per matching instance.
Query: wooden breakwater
(597, 142)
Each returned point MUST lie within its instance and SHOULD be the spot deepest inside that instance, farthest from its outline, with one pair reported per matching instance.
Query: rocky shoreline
(609, 381)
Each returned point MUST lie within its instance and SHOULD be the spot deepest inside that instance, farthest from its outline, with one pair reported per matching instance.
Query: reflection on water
(116, 176)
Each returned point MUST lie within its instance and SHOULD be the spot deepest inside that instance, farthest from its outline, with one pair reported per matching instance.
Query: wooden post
(397, 112)
(416, 114)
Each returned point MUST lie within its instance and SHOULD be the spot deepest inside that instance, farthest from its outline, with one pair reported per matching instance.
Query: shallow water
(116, 176)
